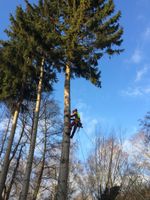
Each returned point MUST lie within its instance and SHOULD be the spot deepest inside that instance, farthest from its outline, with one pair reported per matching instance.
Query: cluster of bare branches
(46, 155)
(113, 172)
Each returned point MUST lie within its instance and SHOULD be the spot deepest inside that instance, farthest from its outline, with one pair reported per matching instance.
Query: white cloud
(137, 56)
(147, 90)
(132, 92)
(141, 73)
(147, 33)
(146, 36)
(136, 91)
(141, 85)
(90, 125)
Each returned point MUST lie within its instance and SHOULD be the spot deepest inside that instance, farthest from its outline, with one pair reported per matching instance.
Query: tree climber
(76, 122)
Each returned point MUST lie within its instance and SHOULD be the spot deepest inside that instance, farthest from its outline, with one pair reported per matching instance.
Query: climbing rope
(80, 144)
(88, 137)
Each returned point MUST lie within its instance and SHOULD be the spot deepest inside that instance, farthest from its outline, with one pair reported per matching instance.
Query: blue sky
(125, 94)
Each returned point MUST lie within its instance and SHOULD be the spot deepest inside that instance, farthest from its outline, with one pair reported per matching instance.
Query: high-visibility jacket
(76, 117)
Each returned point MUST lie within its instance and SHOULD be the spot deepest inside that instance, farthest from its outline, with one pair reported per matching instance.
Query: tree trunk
(14, 174)
(25, 186)
(18, 143)
(5, 137)
(5, 166)
(40, 173)
(64, 162)
(109, 179)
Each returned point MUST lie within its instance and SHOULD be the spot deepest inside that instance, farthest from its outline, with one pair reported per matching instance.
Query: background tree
(107, 166)
(49, 129)
(5, 126)
(46, 151)
(29, 58)
(145, 126)
(14, 89)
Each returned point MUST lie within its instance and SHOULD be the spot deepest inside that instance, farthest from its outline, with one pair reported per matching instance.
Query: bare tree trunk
(14, 174)
(25, 186)
(64, 162)
(109, 179)
(39, 178)
(5, 137)
(5, 166)
(18, 143)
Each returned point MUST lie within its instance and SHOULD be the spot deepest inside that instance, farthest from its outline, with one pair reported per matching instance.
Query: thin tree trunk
(64, 162)
(5, 166)
(14, 174)
(25, 186)
(5, 137)
(39, 178)
(18, 143)
(109, 179)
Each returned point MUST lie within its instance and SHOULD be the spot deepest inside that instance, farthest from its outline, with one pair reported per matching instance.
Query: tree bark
(64, 162)
(40, 173)
(18, 143)
(5, 137)
(14, 174)
(5, 166)
(109, 179)
(26, 181)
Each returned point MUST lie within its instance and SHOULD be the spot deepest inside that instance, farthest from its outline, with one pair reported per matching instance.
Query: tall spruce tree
(14, 89)
(21, 74)
(89, 29)
(42, 44)
(86, 30)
